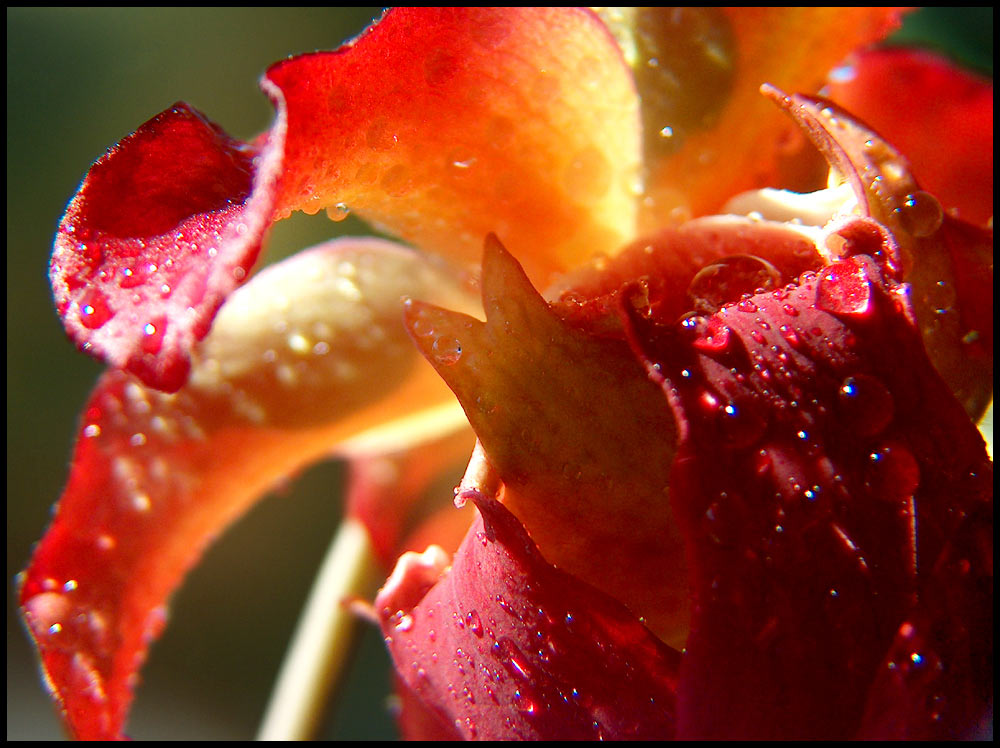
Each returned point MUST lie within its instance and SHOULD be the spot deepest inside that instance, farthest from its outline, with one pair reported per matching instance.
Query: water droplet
(893, 472)
(524, 702)
(475, 623)
(790, 335)
(844, 288)
(513, 659)
(401, 620)
(446, 350)
(920, 214)
(338, 212)
(729, 279)
(94, 309)
(865, 404)
(152, 335)
(708, 334)
(131, 277)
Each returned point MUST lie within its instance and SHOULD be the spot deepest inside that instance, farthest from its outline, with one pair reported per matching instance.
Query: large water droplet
(338, 212)
(844, 288)
(865, 404)
(513, 659)
(475, 623)
(920, 214)
(729, 279)
(446, 350)
(893, 472)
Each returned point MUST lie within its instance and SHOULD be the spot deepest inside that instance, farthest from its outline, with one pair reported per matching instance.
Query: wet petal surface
(156, 476)
(162, 229)
(442, 125)
(505, 646)
(879, 87)
(948, 262)
(822, 466)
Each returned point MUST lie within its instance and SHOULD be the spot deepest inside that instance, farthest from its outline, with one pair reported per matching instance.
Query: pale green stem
(322, 641)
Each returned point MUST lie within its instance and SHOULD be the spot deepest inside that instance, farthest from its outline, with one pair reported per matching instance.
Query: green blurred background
(77, 81)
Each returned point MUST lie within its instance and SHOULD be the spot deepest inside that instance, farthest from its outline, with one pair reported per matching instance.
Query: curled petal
(821, 470)
(442, 125)
(879, 87)
(505, 646)
(307, 355)
(948, 262)
(528, 382)
(162, 229)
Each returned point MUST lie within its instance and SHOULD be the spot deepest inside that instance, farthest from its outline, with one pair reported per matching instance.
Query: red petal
(919, 102)
(156, 476)
(505, 646)
(948, 262)
(822, 466)
(445, 124)
(164, 226)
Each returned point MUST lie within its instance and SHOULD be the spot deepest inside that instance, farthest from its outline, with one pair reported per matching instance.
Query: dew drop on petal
(446, 350)
(152, 335)
(844, 288)
(338, 212)
(729, 280)
(920, 213)
(865, 404)
(893, 472)
(94, 309)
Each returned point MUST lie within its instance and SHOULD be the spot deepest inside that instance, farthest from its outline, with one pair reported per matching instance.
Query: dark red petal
(938, 674)
(948, 262)
(505, 646)
(163, 227)
(921, 102)
(668, 262)
(822, 467)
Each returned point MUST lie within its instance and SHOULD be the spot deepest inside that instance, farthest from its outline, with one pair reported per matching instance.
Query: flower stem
(322, 641)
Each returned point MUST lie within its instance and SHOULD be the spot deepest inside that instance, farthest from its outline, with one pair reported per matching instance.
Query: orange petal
(737, 143)
(528, 382)
(310, 352)
(442, 125)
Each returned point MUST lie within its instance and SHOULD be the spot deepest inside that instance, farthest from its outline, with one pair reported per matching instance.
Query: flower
(44, 605)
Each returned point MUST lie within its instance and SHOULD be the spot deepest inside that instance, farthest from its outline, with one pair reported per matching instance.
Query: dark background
(77, 81)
